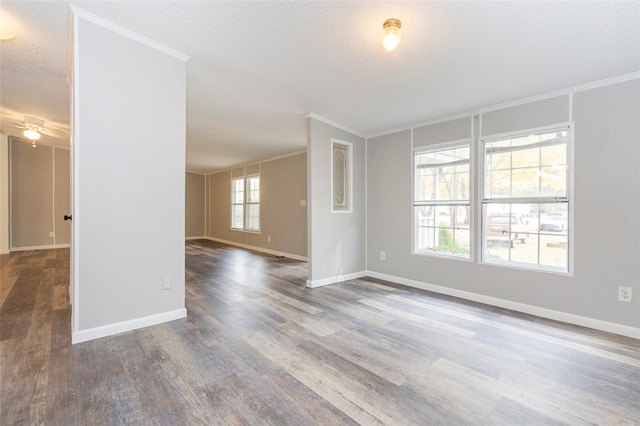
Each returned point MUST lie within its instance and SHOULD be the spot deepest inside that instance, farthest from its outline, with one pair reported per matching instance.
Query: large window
(245, 203)
(441, 201)
(526, 199)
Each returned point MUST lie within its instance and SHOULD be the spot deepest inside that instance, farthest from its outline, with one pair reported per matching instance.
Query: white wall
(4, 194)
(129, 107)
(606, 225)
(336, 240)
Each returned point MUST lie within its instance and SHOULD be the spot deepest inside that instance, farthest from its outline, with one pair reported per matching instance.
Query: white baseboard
(336, 279)
(623, 330)
(195, 238)
(4, 252)
(46, 247)
(260, 249)
(124, 326)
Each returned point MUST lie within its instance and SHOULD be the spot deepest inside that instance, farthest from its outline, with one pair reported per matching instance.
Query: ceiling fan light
(391, 34)
(31, 134)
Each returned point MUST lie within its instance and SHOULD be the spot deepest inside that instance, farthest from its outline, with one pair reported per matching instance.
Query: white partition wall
(128, 174)
(336, 239)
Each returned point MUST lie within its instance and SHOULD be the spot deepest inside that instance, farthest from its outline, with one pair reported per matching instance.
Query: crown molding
(80, 13)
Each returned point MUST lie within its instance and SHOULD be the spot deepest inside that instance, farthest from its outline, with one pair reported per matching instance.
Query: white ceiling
(257, 68)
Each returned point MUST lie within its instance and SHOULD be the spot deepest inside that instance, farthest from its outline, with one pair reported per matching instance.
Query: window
(342, 182)
(525, 206)
(253, 203)
(441, 201)
(245, 203)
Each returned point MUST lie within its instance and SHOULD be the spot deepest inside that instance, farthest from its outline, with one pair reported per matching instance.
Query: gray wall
(606, 202)
(336, 240)
(129, 181)
(40, 196)
(283, 184)
(194, 205)
(62, 196)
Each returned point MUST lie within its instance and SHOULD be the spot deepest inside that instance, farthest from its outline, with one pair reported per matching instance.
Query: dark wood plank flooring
(258, 348)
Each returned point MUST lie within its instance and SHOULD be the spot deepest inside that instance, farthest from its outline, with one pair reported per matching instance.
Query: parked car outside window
(507, 227)
(553, 222)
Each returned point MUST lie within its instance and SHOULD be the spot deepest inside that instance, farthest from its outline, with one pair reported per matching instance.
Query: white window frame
(469, 201)
(245, 203)
(569, 199)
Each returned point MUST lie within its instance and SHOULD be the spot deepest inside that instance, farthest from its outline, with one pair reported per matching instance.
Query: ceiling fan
(33, 128)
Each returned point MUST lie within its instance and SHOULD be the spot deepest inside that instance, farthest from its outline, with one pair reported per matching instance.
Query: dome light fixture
(8, 27)
(32, 135)
(391, 34)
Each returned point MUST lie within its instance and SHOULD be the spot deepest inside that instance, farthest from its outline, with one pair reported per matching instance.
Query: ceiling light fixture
(391, 34)
(7, 27)
(32, 135)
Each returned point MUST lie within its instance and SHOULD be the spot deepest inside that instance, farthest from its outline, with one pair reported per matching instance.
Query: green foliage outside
(445, 238)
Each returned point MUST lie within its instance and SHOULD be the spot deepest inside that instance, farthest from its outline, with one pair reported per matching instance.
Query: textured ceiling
(258, 67)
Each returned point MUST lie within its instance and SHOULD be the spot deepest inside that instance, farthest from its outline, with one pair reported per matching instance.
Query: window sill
(439, 255)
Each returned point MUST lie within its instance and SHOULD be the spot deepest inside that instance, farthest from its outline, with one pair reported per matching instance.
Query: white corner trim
(258, 249)
(623, 330)
(81, 13)
(336, 279)
(124, 326)
(45, 247)
(334, 124)
(195, 238)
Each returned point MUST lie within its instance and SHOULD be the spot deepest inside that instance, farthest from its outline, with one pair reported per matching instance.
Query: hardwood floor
(259, 348)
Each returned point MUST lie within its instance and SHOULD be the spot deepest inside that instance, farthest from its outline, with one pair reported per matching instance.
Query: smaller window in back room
(245, 203)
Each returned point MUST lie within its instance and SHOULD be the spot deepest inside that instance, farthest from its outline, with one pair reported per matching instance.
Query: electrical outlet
(624, 294)
(269, 238)
(52, 234)
(303, 203)
(166, 282)
(383, 255)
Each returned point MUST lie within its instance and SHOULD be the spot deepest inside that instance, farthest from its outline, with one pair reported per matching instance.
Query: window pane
(553, 155)
(499, 161)
(443, 229)
(462, 185)
(528, 166)
(442, 174)
(554, 218)
(498, 184)
(237, 187)
(554, 250)
(237, 216)
(253, 217)
(425, 184)
(553, 181)
(525, 182)
(526, 234)
(253, 188)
